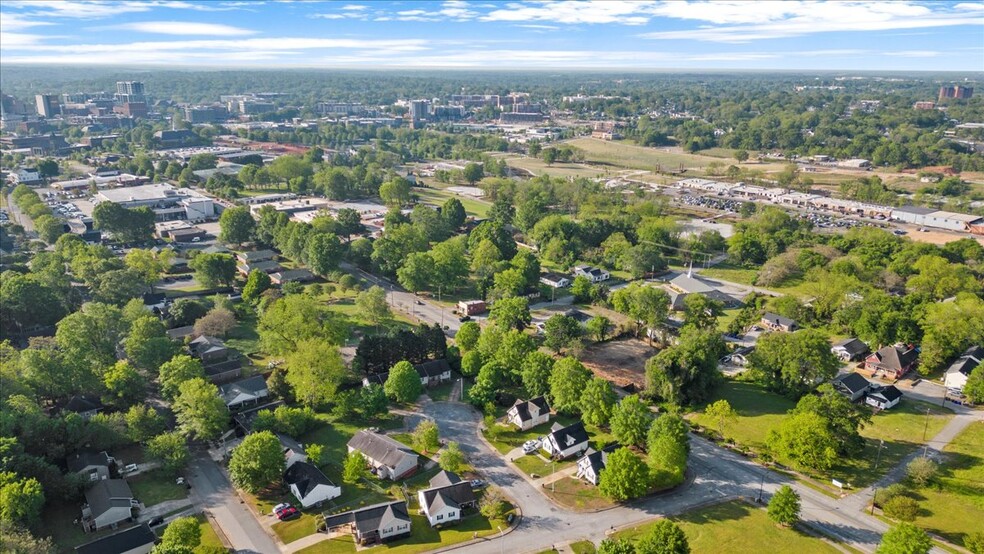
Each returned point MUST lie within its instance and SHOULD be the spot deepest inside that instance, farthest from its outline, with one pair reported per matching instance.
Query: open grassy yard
(577, 494)
(210, 539)
(509, 437)
(58, 524)
(738, 527)
(473, 206)
(624, 155)
(536, 466)
(539, 167)
(155, 487)
(759, 411)
(954, 505)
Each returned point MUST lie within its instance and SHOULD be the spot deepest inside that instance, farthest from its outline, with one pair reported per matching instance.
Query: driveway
(215, 494)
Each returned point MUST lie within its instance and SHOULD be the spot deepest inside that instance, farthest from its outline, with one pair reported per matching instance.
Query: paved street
(218, 497)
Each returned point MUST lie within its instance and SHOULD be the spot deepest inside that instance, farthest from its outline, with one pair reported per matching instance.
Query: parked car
(288, 513)
(155, 521)
(531, 446)
(478, 484)
(280, 507)
(464, 318)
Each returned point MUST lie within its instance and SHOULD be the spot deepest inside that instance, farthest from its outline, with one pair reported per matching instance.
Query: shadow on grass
(720, 512)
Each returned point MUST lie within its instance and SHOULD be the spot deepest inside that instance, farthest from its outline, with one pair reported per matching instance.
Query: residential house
(155, 302)
(685, 284)
(179, 333)
(266, 266)
(853, 386)
(224, 371)
(108, 503)
(372, 524)
(246, 392)
(433, 372)
(959, 370)
(309, 485)
(445, 498)
(849, 350)
(590, 465)
(388, 458)
(252, 257)
(293, 450)
(221, 363)
(564, 442)
(884, 398)
(244, 419)
(135, 540)
(291, 275)
(527, 414)
(892, 362)
(471, 307)
(593, 274)
(739, 357)
(774, 322)
(85, 406)
(555, 280)
(95, 465)
(208, 349)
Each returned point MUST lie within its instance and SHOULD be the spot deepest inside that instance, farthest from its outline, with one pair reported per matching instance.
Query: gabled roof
(853, 383)
(251, 386)
(777, 319)
(117, 543)
(87, 458)
(690, 284)
(894, 357)
(597, 459)
(306, 477)
(215, 249)
(151, 299)
(447, 489)
(523, 407)
(107, 494)
(970, 359)
(378, 378)
(380, 448)
(566, 437)
(432, 368)
(889, 393)
(205, 344)
(554, 277)
(853, 346)
(256, 255)
(180, 332)
(82, 403)
(288, 443)
(444, 479)
(367, 519)
(292, 275)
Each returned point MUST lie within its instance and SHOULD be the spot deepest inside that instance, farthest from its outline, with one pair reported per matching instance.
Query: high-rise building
(956, 91)
(47, 105)
(129, 91)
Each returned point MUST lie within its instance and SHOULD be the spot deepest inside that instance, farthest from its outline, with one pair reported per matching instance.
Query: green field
(623, 155)
(210, 539)
(577, 494)
(423, 537)
(539, 167)
(759, 411)
(954, 505)
(473, 207)
(155, 487)
(738, 527)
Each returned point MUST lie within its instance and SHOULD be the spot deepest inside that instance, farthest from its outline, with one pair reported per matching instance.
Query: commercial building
(956, 91)
(341, 108)
(206, 114)
(129, 91)
(928, 217)
(167, 202)
(47, 105)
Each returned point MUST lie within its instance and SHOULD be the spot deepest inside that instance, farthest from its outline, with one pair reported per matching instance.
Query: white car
(531, 446)
(279, 507)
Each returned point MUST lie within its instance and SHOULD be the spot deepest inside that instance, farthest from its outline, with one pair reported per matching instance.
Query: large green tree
(687, 372)
(905, 538)
(176, 371)
(625, 476)
(257, 462)
(314, 371)
(791, 363)
(630, 421)
(212, 270)
(201, 412)
(665, 537)
(784, 506)
(297, 317)
(403, 383)
(236, 225)
(171, 450)
(804, 440)
(567, 381)
(597, 402)
(511, 313)
(323, 253)
(181, 536)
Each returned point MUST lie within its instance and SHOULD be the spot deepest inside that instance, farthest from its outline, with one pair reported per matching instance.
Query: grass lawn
(343, 544)
(155, 487)
(539, 167)
(727, 272)
(290, 531)
(441, 393)
(510, 437)
(473, 206)
(210, 539)
(533, 464)
(954, 505)
(738, 527)
(58, 517)
(577, 494)
(624, 155)
(583, 547)
(759, 411)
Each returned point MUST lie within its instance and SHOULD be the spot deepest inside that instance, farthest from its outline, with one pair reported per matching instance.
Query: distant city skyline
(564, 34)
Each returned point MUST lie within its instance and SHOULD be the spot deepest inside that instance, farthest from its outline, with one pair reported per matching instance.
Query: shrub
(901, 508)
(921, 470)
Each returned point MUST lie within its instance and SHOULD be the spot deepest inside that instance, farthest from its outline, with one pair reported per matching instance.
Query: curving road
(720, 474)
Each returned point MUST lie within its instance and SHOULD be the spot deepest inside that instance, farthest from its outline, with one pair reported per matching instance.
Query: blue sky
(571, 34)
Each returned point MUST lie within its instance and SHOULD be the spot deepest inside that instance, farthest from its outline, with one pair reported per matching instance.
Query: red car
(287, 513)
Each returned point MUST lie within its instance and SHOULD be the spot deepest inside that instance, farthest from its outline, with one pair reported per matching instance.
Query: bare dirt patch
(623, 362)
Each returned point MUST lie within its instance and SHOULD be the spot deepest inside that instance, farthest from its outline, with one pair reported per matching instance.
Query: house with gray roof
(590, 465)
(776, 322)
(372, 524)
(527, 414)
(960, 369)
(243, 393)
(444, 499)
(892, 362)
(108, 503)
(94, 465)
(388, 458)
(309, 485)
(135, 540)
(850, 349)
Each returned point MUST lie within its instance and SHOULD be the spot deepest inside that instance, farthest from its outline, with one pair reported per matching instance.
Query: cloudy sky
(611, 34)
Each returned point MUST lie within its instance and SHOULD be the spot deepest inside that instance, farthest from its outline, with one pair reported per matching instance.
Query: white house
(849, 350)
(388, 458)
(527, 414)
(433, 372)
(246, 392)
(445, 498)
(590, 465)
(293, 450)
(108, 503)
(593, 274)
(555, 280)
(959, 371)
(884, 398)
(94, 465)
(564, 442)
(853, 385)
(372, 524)
(309, 485)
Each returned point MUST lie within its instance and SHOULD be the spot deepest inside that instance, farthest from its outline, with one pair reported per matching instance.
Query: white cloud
(328, 16)
(98, 9)
(15, 22)
(575, 12)
(181, 28)
(354, 7)
(914, 54)
(221, 47)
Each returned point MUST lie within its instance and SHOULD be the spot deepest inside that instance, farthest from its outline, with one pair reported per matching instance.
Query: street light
(500, 539)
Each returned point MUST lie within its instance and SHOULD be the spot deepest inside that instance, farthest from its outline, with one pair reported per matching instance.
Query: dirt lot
(622, 362)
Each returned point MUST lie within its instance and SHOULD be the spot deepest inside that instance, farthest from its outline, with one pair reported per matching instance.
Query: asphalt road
(720, 474)
(217, 496)
(402, 301)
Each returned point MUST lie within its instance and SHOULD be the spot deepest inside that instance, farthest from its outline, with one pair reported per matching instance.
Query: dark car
(464, 318)
(155, 521)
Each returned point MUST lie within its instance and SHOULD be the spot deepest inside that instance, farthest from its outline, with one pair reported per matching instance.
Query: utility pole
(926, 427)
(761, 486)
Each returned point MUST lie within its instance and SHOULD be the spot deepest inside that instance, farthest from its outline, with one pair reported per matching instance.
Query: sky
(555, 34)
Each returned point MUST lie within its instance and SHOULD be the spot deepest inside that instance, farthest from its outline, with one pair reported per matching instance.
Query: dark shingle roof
(523, 407)
(82, 460)
(367, 519)
(257, 255)
(81, 403)
(432, 368)
(854, 383)
(894, 357)
(567, 437)
(889, 393)
(454, 495)
(971, 358)
(444, 479)
(106, 494)
(777, 319)
(305, 477)
(852, 346)
(117, 543)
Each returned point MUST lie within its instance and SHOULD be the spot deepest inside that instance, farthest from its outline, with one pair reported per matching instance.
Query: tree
(741, 156)
(467, 336)
(143, 422)
(395, 192)
(560, 332)
(921, 471)
(124, 385)
(844, 418)
(257, 282)
(625, 476)
(784, 506)
(201, 412)
(315, 454)
(493, 505)
(949, 329)
(323, 253)
(14, 538)
(804, 440)
(147, 345)
(630, 421)
(149, 264)
(901, 508)
(597, 402)
(403, 383)
(236, 225)
(535, 373)
(905, 538)
(182, 535)
(452, 459)
(49, 228)
(116, 286)
(549, 155)
(701, 312)
(974, 389)
(567, 381)
(511, 313)
(665, 537)
(667, 456)
(790, 363)
(426, 436)
(722, 414)
(372, 305)
(687, 372)
(314, 371)
(21, 499)
(171, 450)
(211, 270)
(216, 323)
(90, 335)
(471, 363)
(176, 371)
(297, 317)
(616, 546)
(257, 462)
(599, 326)
(354, 469)
(973, 541)
(136, 225)
(648, 306)
(581, 289)
(453, 213)
(473, 172)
